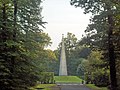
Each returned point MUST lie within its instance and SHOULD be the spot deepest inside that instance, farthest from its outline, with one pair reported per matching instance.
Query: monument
(63, 65)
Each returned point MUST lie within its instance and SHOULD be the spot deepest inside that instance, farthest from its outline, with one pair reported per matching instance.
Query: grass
(42, 86)
(93, 87)
(67, 79)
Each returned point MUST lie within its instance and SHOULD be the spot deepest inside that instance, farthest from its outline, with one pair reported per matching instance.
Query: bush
(47, 78)
(101, 80)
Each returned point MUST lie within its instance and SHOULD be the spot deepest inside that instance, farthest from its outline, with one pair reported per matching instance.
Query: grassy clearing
(93, 87)
(42, 86)
(67, 79)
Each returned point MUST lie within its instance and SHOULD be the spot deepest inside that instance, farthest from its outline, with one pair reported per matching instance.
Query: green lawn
(42, 86)
(67, 79)
(93, 87)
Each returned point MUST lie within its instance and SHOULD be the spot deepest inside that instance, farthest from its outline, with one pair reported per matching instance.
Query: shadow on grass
(93, 87)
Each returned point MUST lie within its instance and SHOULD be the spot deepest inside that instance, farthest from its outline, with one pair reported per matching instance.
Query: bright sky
(63, 18)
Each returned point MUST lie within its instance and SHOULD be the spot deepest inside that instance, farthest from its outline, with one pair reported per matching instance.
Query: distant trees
(74, 54)
(70, 44)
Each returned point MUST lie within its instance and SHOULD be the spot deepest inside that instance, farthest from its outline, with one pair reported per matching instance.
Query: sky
(63, 18)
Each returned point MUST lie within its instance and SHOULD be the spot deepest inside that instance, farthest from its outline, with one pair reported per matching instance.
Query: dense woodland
(24, 61)
(22, 44)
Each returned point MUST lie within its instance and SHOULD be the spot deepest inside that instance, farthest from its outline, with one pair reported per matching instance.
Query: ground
(70, 87)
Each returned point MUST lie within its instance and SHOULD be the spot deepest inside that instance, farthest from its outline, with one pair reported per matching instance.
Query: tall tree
(22, 43)
(104, 12)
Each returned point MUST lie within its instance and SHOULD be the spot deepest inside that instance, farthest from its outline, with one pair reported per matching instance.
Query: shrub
(47, 78)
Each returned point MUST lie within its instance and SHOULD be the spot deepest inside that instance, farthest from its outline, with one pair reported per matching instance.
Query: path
(70, 87)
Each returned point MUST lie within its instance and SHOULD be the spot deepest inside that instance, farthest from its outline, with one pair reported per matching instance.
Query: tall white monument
(63, 65)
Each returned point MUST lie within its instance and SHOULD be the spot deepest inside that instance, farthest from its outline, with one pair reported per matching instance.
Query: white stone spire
(63, 65)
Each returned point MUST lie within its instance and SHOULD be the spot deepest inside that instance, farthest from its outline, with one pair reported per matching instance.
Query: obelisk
(63, 65)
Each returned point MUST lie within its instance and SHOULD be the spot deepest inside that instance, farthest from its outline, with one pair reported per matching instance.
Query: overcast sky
(63, 18)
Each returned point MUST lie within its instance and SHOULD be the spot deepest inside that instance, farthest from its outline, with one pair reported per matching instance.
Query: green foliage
(82, 51)
(22, 44)
(54, 64)
(101, 33)
(74, 53)
(47, 78)
(81, 67)
(95, 69)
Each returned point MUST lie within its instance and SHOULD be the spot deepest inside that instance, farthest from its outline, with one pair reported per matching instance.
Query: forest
(25, 61)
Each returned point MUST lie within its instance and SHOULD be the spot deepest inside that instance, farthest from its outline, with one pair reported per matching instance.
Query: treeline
(22, 44)
(75, 54)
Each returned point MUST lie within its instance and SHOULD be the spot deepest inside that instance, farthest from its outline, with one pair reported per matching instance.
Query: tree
(81, 68)
(8, 44)
(94, 69)
(74, 53)
(104, 12)
(22, 43)
(70, 43)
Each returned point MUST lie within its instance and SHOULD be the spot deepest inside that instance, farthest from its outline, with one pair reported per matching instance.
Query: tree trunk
(112, 61)
(4, 36)
(14, 36)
